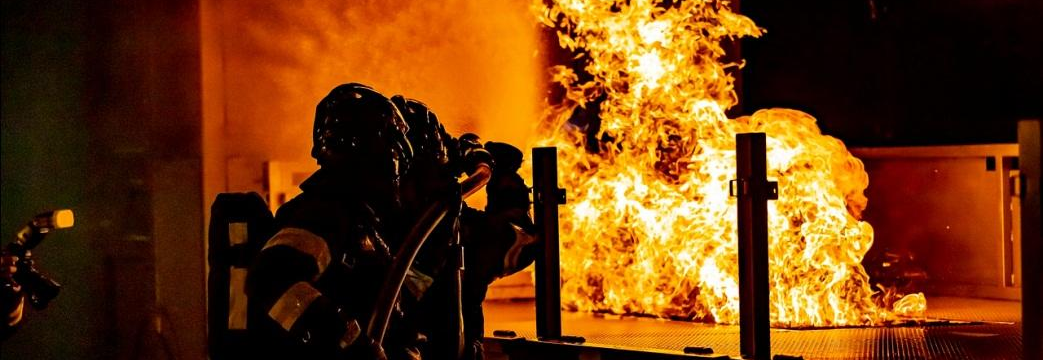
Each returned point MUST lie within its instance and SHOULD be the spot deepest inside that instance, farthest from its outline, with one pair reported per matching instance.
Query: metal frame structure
(1031, 243)
(938, 180)
(546, 198)
(753, 190)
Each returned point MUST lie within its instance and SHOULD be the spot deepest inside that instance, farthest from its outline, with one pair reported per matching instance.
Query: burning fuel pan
(961, 328)
(955, 326)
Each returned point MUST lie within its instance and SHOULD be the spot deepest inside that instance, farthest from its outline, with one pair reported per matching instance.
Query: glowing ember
(650, 228)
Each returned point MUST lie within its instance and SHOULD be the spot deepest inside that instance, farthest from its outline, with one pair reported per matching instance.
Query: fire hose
(392, 286)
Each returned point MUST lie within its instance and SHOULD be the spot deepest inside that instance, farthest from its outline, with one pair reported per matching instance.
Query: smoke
(474, 62)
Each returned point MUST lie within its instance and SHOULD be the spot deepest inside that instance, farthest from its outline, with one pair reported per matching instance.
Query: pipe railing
(753, 190)
(546, 198)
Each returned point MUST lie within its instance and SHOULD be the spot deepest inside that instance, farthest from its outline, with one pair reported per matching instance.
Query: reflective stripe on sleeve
(292, 304)
(15, 316)
(417, 283)
(521, 239)
(306, 243)
(351, 334)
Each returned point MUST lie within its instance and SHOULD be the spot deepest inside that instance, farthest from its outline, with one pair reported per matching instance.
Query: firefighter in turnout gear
(313, 284)
(497, 242)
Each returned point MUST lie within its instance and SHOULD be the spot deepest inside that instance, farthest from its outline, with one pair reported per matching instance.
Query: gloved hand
(470, 153)
(508, 158)
(11, 296)
(506, 189)
(10, 290)
(8, 268)
(502, 239)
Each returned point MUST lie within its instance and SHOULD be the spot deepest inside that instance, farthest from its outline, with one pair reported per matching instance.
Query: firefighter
(314, 282)
(497, 242)
(12, 300)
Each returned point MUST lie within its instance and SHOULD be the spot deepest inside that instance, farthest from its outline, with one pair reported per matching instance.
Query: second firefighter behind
(381, 161)
(496, 242)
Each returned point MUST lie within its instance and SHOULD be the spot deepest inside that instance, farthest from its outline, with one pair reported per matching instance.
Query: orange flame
(912, 305)
(650, 228)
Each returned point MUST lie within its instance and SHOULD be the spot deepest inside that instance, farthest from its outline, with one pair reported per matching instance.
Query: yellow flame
(650, 227)
(912, 305)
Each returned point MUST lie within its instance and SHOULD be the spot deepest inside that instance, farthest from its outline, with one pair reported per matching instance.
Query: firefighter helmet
(359, 127)
(426, 134)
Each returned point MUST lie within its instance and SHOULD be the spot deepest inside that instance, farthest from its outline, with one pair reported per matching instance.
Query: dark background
(890, 72)
(100, 113)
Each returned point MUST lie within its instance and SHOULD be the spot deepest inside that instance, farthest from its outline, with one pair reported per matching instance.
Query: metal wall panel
(951, 207)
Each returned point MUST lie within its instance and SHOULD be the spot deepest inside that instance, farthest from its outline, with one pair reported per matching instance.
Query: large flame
(650, 228)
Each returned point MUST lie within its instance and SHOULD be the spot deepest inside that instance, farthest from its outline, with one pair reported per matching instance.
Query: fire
(650, 228)
(912, 305)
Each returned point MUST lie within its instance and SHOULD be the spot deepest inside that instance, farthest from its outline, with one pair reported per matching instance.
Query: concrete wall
(474, 63)
(44, 162)
(102, 113)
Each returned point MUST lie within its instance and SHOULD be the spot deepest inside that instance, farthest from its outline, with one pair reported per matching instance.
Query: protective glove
(8, 286)
(506, 190)
(11, 297)
(469, 152)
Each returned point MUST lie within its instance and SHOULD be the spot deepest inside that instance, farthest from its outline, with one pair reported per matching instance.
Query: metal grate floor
(998, 336)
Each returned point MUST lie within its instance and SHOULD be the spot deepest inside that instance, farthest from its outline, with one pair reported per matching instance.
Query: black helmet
(433, 145)
(358, 127)
(427, 136)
